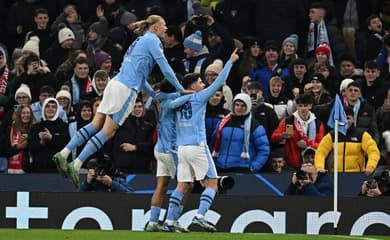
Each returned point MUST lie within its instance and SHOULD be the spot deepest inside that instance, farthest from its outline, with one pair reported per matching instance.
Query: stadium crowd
(57, 57)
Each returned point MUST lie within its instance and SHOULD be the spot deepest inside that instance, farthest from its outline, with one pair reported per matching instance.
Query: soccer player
(120, 94)
(195, 160)
(165, 152)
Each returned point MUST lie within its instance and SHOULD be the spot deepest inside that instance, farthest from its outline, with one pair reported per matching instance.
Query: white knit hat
(32, 45)
(245, 99)
(64, 93)
(344, 84)
(216, 66)
(65, 34)
(23, 89)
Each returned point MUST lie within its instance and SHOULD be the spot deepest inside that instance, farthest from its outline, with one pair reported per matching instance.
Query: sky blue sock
(94, 144)
(82, 135)
(174, 205)
(206, 199)
(154, 214)
(178, 212)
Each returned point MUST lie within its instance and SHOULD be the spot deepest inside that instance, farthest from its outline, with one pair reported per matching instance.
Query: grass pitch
(54, 234)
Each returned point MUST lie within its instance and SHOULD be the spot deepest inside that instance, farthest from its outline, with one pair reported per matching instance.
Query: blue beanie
(194, 41)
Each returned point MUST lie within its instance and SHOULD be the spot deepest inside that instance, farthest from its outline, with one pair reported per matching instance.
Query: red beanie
(324, 48)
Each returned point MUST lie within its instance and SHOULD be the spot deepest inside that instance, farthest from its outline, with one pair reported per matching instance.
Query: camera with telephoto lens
(371, 184)
(302, 175)
(103, 166)
(225, 183)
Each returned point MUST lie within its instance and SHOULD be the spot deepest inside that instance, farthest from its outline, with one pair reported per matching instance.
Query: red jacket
(291, 150)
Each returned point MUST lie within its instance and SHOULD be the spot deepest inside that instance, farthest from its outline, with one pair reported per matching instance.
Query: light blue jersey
(191, 110)
(166, 124)
(139, 61)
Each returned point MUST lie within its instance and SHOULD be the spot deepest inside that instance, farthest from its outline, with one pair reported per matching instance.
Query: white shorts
(166, 164)
(195, 162)
(118, 101)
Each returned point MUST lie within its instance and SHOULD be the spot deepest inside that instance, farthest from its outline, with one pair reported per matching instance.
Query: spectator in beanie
(35, 76)
(72, 20)
(123, 34)
(289, 50)
(211, 74)
(61, 50)
(98, 39)
(65, 100)
(103, 61)
(196, 53)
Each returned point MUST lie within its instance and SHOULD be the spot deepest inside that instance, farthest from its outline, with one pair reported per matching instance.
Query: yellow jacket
(352, 151)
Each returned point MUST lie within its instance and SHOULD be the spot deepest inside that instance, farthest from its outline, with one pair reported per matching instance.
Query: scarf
(306, 128)
(76, 91)
(316, 36)
(3, 87)
(247, 128)
(356, 109)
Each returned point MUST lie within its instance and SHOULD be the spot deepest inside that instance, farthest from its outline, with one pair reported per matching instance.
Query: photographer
(102, 178)
(307, 181)
(378, 186)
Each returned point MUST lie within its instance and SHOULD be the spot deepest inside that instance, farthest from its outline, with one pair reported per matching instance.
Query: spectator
(289, 50)
(35, 76)
(133, 142)
(99, 83)
(323, 30)
(65, 100)
(250, 57)
(211, 73)
(16, 140)
(103, 61)
(60, 50)
(374, 37)
(80, 84)
(262, 111)
(353, 148)
(123, 34)
(71, 19)
(331, 81)
(374, 86)
(22, 97)
(174, 49)
(282, 106)
(47, 137)
(316, 89)
(382, 58)
(364, 112)
(268, 67)
(383, 114)
(98, 39)
(196, 53)
(241, 143)
(103, 178)
(277, 162)
(300, 131)
(348, 69)
(44, 93)
(298, 77)
(64, 72)
(83, 117)
(6, 85)
(41, 30)
(214, 113)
